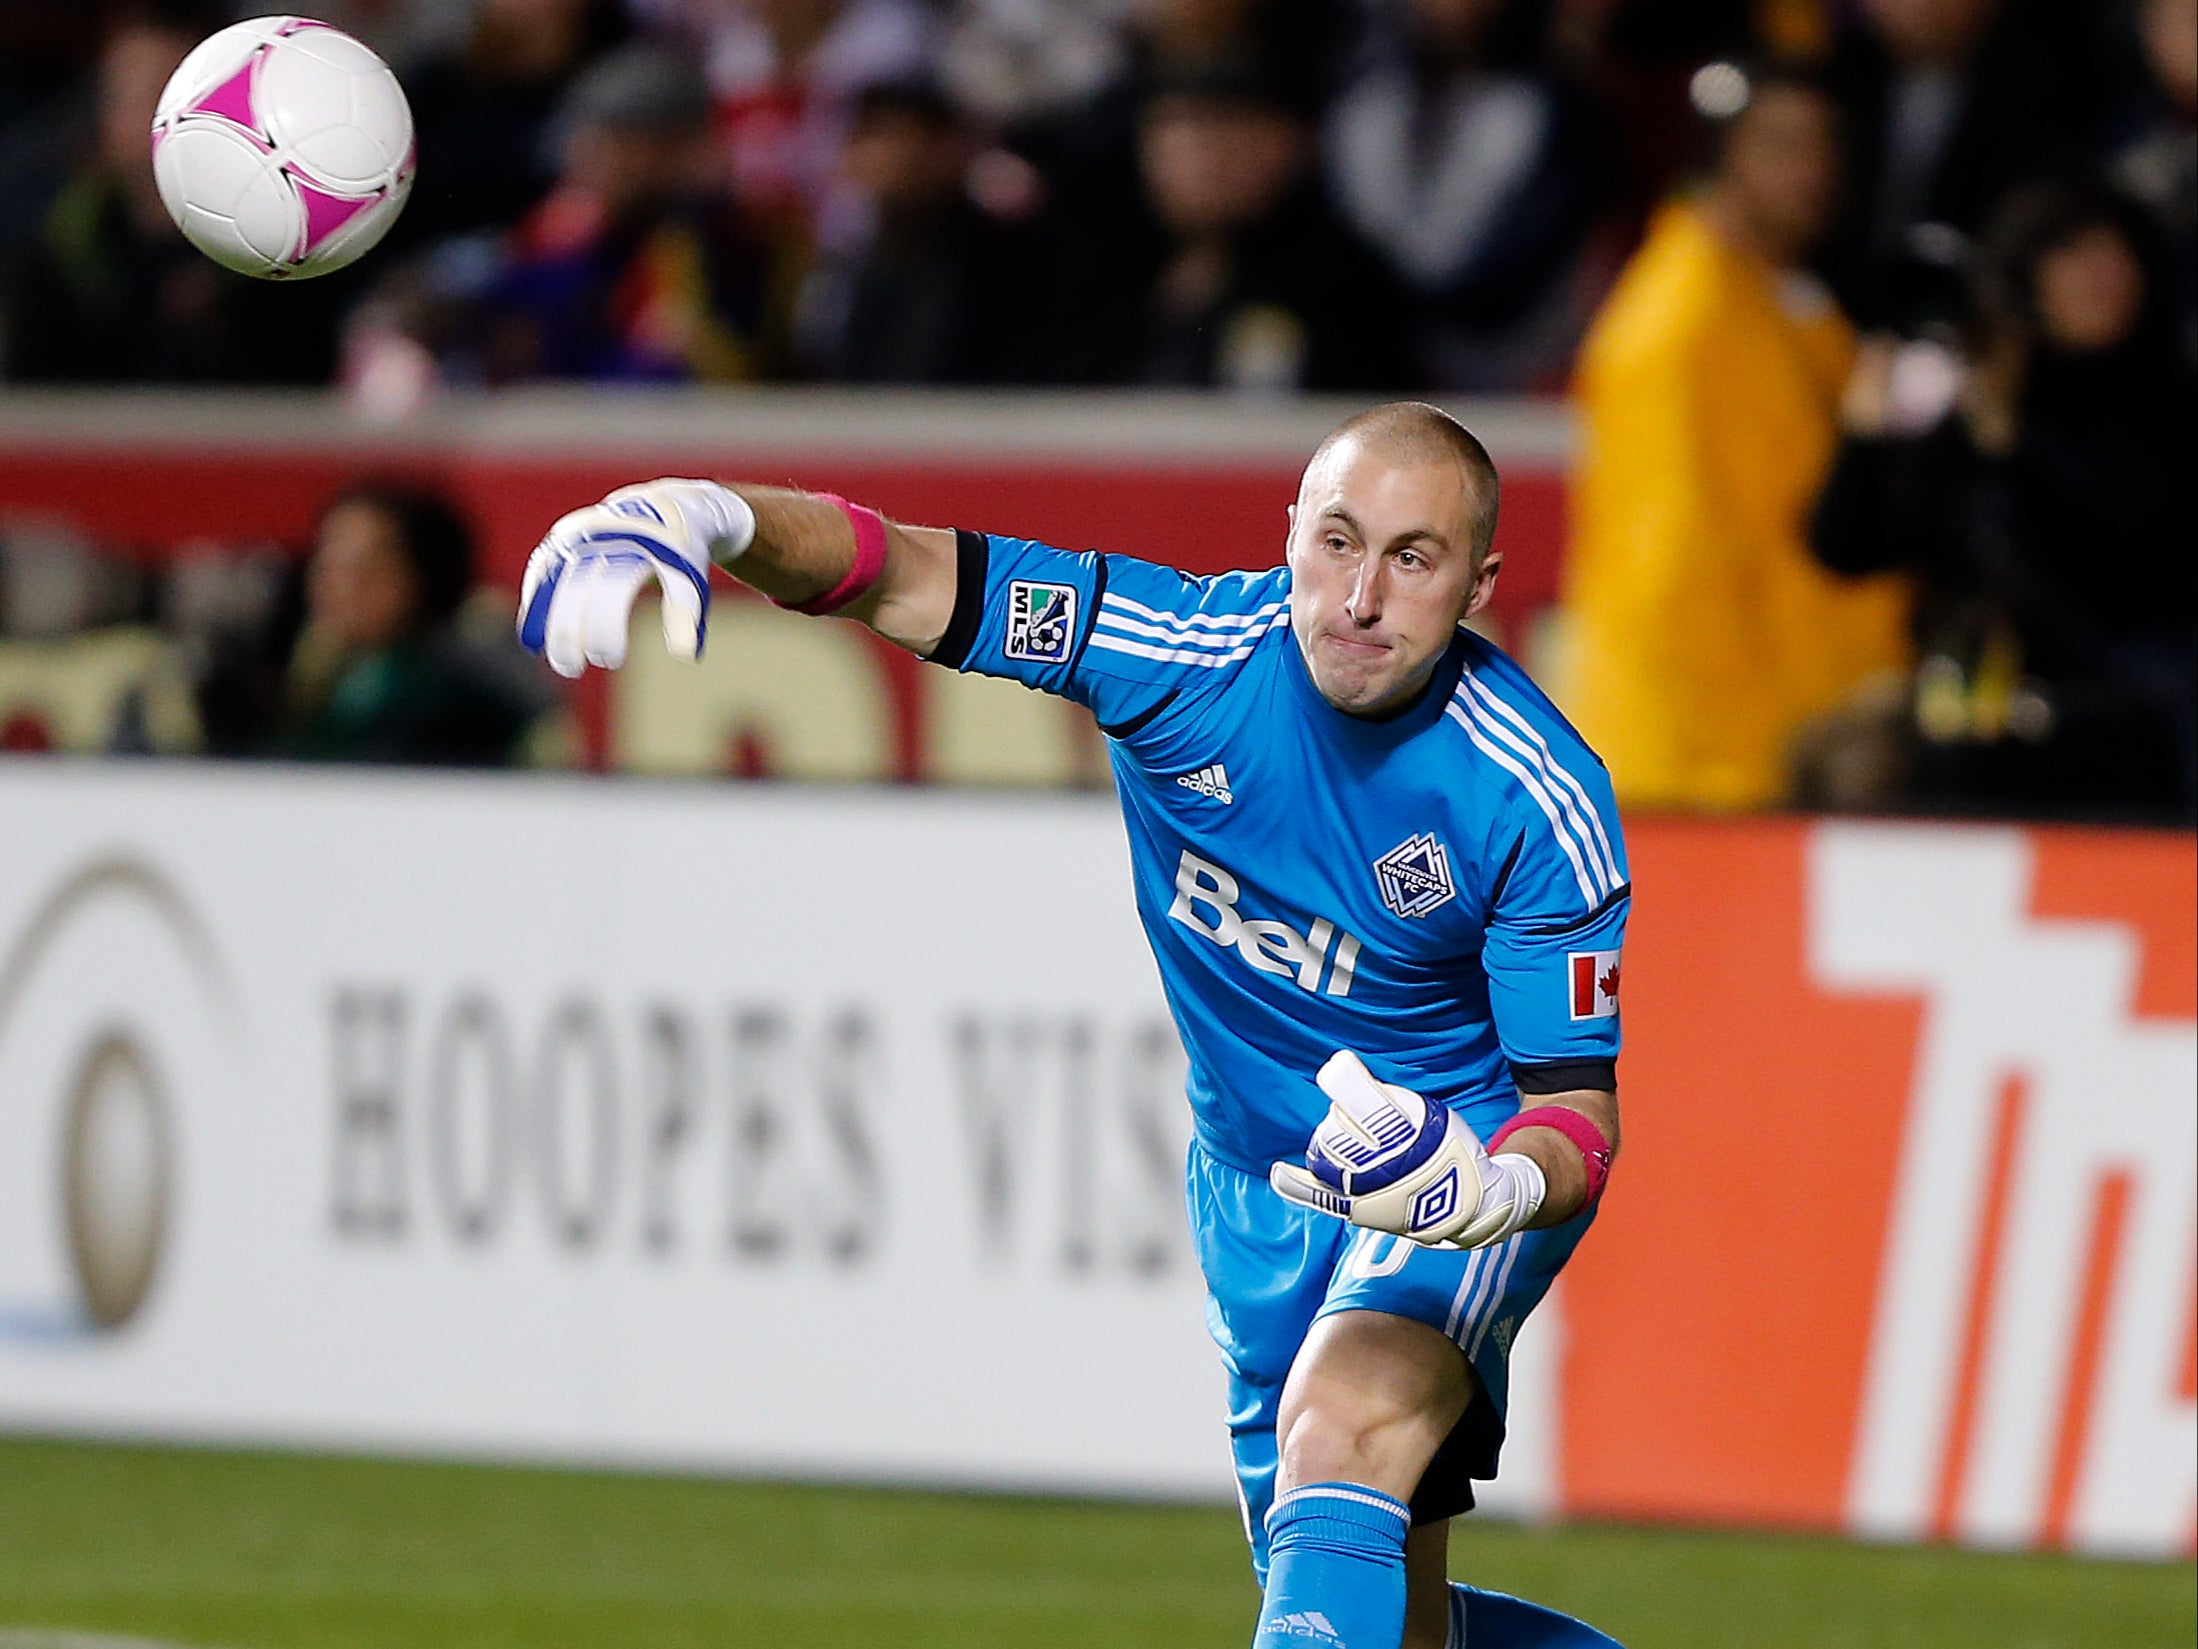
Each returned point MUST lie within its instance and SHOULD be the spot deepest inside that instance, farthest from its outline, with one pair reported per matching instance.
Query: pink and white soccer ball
(283, 148)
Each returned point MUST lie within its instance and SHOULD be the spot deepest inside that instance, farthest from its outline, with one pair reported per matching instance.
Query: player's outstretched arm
(1387, 1159)
(807, 546)
(809, 551)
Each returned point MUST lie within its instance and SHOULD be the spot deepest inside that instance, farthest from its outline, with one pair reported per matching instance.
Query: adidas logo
(1209, 781)
(1311, 1626)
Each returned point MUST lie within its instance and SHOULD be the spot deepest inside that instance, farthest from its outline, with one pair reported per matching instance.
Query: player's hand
(1386, 1159)
(582, 578)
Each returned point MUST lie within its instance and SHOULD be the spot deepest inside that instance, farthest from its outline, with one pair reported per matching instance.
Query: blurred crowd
(1880, 316)
(1905, 520)
(377, 644)
(1265, 194)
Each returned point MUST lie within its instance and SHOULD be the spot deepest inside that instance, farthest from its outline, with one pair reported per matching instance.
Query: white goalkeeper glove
(582, 578)
(1386, 1159)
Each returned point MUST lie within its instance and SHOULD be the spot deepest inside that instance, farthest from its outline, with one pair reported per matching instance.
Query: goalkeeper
(1384, 884)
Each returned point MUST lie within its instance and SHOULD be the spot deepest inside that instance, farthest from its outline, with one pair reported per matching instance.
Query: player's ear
(1289, 533)
(1484, 582)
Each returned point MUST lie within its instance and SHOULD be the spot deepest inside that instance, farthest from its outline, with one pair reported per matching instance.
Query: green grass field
(264, 1551)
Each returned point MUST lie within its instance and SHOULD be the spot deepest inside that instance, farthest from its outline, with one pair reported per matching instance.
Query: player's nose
(1364, 602)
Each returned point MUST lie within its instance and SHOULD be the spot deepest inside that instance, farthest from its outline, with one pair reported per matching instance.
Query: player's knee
(1340, 1436)
(1370, 1400)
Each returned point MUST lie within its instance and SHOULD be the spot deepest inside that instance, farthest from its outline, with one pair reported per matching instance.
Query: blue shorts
(1273, 1269)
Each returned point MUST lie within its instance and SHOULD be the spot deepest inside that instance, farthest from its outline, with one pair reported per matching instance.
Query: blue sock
(1490, 1620)
(1335, 1570)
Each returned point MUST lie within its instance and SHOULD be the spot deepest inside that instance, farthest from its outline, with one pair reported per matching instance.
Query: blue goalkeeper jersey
(1443, 890)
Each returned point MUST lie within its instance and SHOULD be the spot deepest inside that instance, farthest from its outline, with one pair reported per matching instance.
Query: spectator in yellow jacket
(1700, 634)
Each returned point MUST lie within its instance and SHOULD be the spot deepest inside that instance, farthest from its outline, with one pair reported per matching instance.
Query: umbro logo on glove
(1386, 1159)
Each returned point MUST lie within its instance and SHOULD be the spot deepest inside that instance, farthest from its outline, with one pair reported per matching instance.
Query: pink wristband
(869, 560)
(1594, 1149)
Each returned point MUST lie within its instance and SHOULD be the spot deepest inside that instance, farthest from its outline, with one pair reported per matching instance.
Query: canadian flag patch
(1594, 983)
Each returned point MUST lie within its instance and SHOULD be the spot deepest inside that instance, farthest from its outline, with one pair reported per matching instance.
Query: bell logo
(1205, 902)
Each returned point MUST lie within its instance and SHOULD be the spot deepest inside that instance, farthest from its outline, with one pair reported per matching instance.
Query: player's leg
(1371, 1396)
(1267, 1265)
(1492, 1620)
(1442, 1615)
(1369, 1400)
(1427, 1601)
(1271, 1268)
(1477, 1301)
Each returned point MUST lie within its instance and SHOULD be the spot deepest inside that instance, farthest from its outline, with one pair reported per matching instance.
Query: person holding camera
(2033, 474)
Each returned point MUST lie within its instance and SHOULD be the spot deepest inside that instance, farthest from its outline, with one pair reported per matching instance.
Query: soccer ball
(283, 148)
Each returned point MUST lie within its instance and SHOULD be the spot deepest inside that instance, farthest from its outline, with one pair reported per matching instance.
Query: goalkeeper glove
(582, 578)
(1385, 1159)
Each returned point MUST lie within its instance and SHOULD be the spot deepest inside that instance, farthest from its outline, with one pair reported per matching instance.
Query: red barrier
(1900, 1240)
(1200, 483)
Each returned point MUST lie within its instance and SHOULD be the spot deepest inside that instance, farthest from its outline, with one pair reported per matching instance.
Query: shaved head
(1413, 432)
(1391, 549)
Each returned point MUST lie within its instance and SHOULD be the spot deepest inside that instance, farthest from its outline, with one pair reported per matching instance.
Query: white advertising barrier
(833, 1133)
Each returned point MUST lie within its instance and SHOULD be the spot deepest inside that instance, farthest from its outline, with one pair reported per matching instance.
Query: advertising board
(838, 1132)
